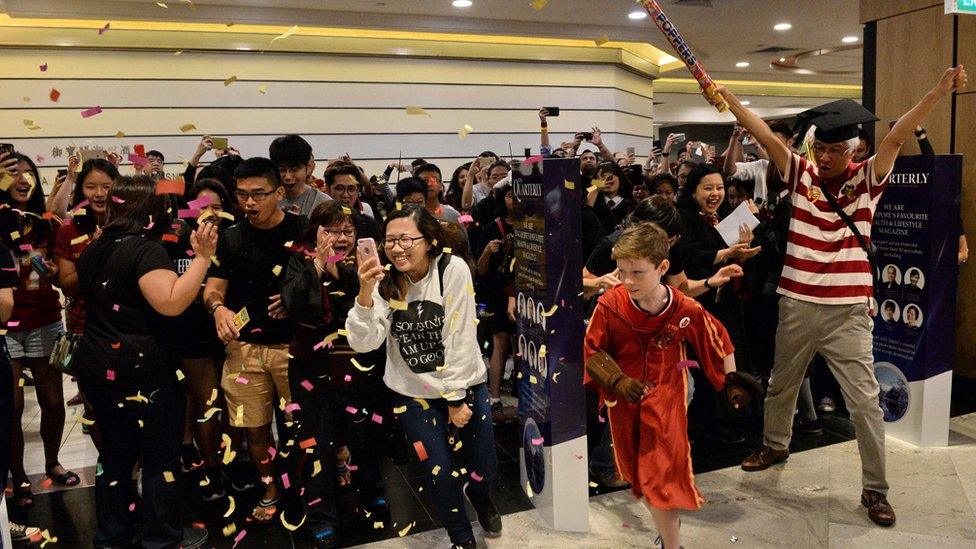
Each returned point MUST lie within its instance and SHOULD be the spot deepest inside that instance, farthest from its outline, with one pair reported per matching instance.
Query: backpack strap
(442, 263)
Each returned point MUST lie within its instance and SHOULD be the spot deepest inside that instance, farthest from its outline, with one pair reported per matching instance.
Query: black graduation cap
(836, 121)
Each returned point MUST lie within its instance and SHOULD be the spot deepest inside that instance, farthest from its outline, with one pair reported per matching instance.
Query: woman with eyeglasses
(346, 408)
(424, 309)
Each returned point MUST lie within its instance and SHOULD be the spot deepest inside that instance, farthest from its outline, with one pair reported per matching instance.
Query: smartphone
(586, 136)
(528, 152)
(91, 154)
(219, 142)
(366, 247)
(6, 148)
(657, 143)
(680, 138)
(553, 111)
(631, 151)
(37, 263)
(62, 173)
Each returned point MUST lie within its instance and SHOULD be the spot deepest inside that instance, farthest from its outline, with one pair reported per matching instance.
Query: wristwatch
(920, 133)
(214, 307)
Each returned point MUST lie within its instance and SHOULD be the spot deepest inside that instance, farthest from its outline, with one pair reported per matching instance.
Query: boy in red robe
(636, 359)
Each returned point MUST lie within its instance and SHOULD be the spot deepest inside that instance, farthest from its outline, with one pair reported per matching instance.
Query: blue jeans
(430, 427)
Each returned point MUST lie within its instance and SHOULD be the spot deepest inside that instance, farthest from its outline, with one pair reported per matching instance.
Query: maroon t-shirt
(36, 302)
(68, 245)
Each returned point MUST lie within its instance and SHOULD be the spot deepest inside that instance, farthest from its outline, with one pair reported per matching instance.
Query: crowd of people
(271, 331)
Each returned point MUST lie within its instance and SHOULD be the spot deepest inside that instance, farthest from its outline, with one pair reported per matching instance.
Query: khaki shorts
(251, 375)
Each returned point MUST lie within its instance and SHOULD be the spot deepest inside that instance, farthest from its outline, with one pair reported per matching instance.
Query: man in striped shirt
(827, 280)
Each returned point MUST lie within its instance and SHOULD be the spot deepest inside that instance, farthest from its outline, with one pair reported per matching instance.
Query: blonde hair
(642, 241)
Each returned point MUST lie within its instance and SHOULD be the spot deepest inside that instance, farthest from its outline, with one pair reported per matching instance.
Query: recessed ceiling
(720, 35)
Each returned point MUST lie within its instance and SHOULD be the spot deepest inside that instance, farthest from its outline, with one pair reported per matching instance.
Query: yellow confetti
(436, 470)
(82, 419)
(230, 80)
(554, 376)
(542, 352)
(276, 270)
(119, 134)
(551, 311)
(180, 375)
(48, 538)
(168, 476)
(603, 39)
(138, 398)
(465, 131)
(229, 530)
(423, 403)
(398, 305)
(209, 413)
(360, 367)
(285, 34)
(226, 215)
(528, 489)
(378, 525)
(240, 414)
(263, 89)
(291, 527)
(593, 484)
(162, 5)
(230, 509)
(205, 481)
(537, 5)
(187, 128)
(533, 380)
(343, 332)
(25, 99)
(610, 403)
(141, 424)
(407, 529)
(417, 110)
(316, 468)
(592, 188)
(569, 185)
(399, 409)
(346, 210)
(178, 52)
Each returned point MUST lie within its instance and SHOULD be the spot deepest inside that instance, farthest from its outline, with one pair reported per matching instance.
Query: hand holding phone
(366, 249)
(551, 111)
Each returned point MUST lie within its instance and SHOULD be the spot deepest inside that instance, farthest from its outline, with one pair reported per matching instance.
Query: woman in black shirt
(610, 196)
(126, 364)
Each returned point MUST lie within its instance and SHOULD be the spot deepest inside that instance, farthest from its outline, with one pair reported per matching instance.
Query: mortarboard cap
(836, 121)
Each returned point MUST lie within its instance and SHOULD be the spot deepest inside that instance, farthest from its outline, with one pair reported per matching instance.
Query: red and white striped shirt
(824, 260)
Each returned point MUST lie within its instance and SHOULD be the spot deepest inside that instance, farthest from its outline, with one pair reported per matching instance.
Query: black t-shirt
(498, 278)
(9, 277)
(254, 262)
(601, 260)
(123, 333)
(194, 328)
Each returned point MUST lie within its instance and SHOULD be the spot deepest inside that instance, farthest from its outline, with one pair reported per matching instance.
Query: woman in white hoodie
(421, 303)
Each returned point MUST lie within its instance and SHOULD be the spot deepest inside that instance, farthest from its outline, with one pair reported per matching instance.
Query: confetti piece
(187, 128)
(465, 131)
(239, 537)
(378, 419)
(230, 509)
(242, 380)
(610, 403)
(200, 203)
(550, 312)
(138, 160)
(285, 34)
(603, 39)
(307, 443)
(178, 52)
(284, 481)
(168, 476)
(76, 241)
(230, 80)
(170, 186)
(276, 270)
(360, 367)
(687, 364)
(43, 67)
(533, 159)
(162, 5)
(119, 134)
(398, 305)
(104, 29)
(88, 113)
(378, 525)
(417, 110)
(229, 530)
(542, 351)
(476, 477)
(569, 185)
(110, 375)
(55, 95)
(407, 529)
(307, 385)
(423, 403)
(418, 447)
(291, 527)
(537, 5)
(399, 409)
(263, 89)
(528, 489)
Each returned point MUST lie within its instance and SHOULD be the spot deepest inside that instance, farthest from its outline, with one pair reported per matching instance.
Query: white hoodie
(432, 346)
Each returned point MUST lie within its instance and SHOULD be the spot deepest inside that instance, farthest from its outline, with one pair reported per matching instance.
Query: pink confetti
(191, 253)
(102, 30)
(13, 323)
(291, 407)
(318, 346)
(242, 380)
(272, 452)
(351, 410)
(26, 247)
(335, 258)
(284, 481)
(201, 202)
(239, 537)
(348, 377)
(307, 385)
(476, 477)
(533, 159)
(138, 160)
(188, 213)
(352, 467)
(118, 199)
(80, 205)
(115, 307)
(132, 506)
(538, 441)
(377, 418)
(687, 364)
(44, 67)
(601, 419)
(88, 113)
(466, 218)
(314, 502)
(110, 375)
(12, 269)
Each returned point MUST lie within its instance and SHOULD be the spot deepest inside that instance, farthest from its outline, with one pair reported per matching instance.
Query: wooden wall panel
(872, 10)
(966, 304)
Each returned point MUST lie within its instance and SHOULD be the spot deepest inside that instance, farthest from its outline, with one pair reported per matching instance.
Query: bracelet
(666, 154)
(707, 285)
(214, 307)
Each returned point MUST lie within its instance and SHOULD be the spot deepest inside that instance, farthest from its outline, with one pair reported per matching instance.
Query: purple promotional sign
(549, 338)
(916, 229)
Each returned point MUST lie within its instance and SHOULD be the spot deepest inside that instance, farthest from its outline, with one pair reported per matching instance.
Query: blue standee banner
(916, 229)
(549, 337)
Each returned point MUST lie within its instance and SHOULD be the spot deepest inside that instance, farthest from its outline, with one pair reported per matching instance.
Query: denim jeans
(477, 453)
(123, 442)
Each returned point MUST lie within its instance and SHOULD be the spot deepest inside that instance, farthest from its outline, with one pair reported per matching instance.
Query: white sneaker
(21, 532)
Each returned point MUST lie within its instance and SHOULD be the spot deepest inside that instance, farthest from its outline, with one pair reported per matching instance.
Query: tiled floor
(809, 502)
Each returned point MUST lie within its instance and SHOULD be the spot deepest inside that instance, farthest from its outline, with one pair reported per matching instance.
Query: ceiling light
(637, 15)
(782, 26)
(742, 64)
(849, 39)
(462, 3)
(746, 102)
